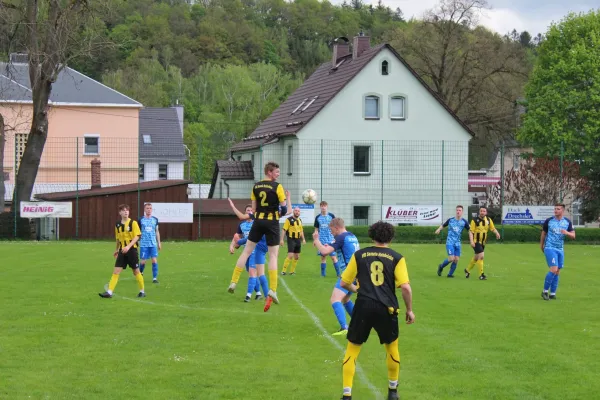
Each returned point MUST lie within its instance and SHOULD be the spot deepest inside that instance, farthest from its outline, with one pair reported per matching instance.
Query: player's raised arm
(237, 212)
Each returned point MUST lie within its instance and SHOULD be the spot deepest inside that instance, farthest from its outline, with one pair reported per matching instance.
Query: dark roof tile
(162, 125)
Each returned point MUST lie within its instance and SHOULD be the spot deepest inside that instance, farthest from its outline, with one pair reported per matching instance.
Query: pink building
(87, 121)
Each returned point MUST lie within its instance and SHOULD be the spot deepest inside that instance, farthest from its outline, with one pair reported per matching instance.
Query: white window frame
(91, 136)
(404, 110)
(364, 104)
(368, 146)
(354, 219)
(579, 216)
(166, 172)
(388, 67)
(148, 137)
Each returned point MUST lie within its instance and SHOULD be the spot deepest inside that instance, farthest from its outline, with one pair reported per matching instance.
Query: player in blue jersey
(150, 241)
(552, 244)
(453, 242)
(322, 222)
(239, 239)
(344, 245)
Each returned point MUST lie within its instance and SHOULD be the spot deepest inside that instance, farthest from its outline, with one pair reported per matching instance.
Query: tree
(525, 39)
(479, 74)
(55, 33)
(563, 93)
(562, 98)
(539, 181)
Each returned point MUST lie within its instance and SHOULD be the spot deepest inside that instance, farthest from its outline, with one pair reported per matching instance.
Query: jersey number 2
(263, 198)
(377, 273)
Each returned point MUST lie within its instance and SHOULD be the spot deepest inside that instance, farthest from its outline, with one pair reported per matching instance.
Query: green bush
(511, 234)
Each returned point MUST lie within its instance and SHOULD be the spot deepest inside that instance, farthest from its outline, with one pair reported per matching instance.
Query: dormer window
(147, 139)
(384, 68)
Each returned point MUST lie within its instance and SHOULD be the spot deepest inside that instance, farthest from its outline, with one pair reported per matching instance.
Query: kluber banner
(40, 209)
(526, 215)
(420, 215)
(181, 213)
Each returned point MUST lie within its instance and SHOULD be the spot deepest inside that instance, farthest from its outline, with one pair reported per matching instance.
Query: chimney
(361, 44)
(96, 174)
(179, 108)
(340, 49)
(19, 58)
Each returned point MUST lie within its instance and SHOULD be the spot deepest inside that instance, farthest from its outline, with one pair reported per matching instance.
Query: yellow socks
(237, 272)
(294, 263)
(349, 367)
(393, 363)
(480, 266)
(471, 264)
(285, 264)
(113, 283)
(140, 281)
(273, 279)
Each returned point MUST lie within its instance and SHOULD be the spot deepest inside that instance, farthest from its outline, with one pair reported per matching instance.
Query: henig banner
(420, 215)
(45, 209)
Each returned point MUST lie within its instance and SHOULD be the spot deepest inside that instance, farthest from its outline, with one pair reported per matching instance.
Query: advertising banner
(177, 213)
(419, 215)
(526, 215)
(46, 209)
(307, 214)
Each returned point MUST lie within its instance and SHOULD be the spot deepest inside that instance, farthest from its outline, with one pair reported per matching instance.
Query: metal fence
(356, 178)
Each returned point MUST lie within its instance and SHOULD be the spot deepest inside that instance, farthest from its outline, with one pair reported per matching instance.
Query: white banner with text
(46, 209)
(419, 215)
(177, 213)
(526, 215)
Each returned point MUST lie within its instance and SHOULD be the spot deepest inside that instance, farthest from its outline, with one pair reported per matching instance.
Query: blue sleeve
(339, 242)
(156, 219)
(446, 223)
(239, 230)
(242, 241)
(546, 225)
(331, 215)
(570, 227)
(466, 223)
(317, 221)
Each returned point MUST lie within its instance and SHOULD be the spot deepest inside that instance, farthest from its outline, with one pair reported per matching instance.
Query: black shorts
(130, 259)
(266, 227)
(294, 245)
(368, 314)
(479, 248)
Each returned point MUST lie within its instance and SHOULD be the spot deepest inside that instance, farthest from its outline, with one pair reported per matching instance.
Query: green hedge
(512, 234)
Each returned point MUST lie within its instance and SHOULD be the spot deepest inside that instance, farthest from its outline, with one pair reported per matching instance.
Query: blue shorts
(338, 285)
(148, 252)
(453, 250)
(554, 257)
(250, 262)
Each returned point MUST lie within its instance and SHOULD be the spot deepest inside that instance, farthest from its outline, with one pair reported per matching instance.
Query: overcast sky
(533, 16)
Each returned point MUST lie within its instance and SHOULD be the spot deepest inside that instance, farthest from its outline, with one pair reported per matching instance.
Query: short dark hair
(382, 232)
(248, 205)
(484, 207)
(323, 203)
(560, 205)
(270, 166)
(461, 207)
(124, 207)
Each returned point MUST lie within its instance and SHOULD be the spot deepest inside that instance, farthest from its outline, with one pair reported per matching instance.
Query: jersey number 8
(377, 273)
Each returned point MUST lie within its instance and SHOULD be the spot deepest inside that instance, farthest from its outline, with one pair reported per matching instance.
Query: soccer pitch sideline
(190, 339)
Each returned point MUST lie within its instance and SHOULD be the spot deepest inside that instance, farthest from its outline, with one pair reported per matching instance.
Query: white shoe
(273, 295)
(231, 288)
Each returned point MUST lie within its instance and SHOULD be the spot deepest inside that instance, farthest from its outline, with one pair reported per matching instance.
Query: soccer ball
(309, 196)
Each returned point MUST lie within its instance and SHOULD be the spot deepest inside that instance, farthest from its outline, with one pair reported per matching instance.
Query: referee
(294, 232)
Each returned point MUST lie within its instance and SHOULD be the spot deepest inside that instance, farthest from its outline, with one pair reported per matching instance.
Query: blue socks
(337, 267)
(349, 306)
(264, 284)
(445, 262)
(257, 285)
(323, 267)
(452, 269)
(340, 314)
(554, 284)
(548, 281)
(154, 270)
(252, 281)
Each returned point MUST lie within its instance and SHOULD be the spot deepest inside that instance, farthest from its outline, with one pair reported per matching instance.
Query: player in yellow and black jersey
(478, 234)
(378, 271)
(294, 232)
(127, 234)
(268, 200)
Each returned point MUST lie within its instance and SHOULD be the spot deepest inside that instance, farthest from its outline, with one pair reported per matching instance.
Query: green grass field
(190, 339)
